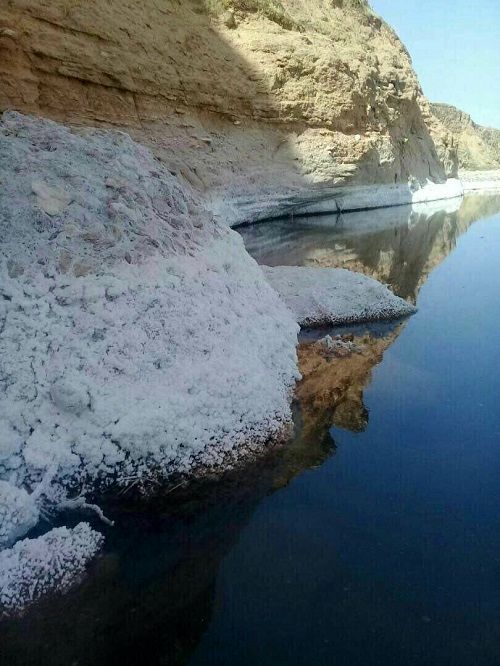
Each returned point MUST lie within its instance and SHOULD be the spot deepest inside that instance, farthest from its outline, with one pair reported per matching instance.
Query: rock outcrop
(249, 100)
(478, 147)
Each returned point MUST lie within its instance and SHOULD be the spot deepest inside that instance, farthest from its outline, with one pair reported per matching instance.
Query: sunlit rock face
(276, 101)
(478, 147)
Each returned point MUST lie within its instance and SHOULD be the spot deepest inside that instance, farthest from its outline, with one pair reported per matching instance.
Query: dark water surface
(374, 537)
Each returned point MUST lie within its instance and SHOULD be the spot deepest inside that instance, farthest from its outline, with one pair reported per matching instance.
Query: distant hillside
(478, 147)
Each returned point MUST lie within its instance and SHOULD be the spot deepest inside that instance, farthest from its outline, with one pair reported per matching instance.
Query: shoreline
(101, 234)
(356, 198)
(332, 200)
(480, 181)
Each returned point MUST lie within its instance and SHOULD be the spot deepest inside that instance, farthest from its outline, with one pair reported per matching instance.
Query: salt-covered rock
(52, 200)
(137, 336)
(334, 296)
(70, 396)
(51, 563)
(168, 351)
(18, 513)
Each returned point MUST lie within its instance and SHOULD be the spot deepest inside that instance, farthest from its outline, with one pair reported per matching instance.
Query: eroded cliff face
(237, 96)
(478, 147)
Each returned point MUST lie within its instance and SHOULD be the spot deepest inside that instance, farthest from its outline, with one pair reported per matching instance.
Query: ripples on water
(374, 536)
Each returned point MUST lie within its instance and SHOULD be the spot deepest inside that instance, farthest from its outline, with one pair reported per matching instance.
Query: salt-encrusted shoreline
(318, 200)
(137, 336)
(122, 302)
(51, 563)
(480, 181)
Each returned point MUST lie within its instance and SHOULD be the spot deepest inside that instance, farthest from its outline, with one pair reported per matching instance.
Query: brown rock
(478, 147)
(300, 94)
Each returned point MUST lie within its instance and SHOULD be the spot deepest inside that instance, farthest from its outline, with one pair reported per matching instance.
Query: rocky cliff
(246, 99)
(478, 147)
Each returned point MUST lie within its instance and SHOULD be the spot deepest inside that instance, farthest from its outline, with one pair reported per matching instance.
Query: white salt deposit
(18, 513)
(51, 563)
(335, 296)
(137, 336)
(135, 332)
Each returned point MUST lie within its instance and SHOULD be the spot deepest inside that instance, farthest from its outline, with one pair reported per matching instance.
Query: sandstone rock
(301, 95)
(8, 32)
(229, 20)
(478, 147)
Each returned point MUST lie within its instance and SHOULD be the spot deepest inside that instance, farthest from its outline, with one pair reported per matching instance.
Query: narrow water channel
(373, 538)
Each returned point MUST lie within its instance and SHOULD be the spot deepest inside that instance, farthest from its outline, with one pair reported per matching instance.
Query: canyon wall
(250, 101)
(478, 147)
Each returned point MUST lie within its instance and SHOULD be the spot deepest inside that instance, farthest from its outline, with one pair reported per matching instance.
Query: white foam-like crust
(18, 513)
(50, 564)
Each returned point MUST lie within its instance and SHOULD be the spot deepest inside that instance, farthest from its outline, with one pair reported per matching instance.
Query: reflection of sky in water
(372, 538)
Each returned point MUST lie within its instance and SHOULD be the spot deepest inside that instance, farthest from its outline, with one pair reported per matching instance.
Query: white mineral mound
(335, 296)
(135, 332)
(18, 513)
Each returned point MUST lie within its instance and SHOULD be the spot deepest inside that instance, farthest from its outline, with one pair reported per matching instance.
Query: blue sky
(455, 47)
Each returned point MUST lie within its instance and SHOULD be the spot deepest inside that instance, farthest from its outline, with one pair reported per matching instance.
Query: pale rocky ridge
(261, 105)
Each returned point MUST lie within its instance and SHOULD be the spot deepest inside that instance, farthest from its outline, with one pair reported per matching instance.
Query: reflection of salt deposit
(481, 181)
(446, 206)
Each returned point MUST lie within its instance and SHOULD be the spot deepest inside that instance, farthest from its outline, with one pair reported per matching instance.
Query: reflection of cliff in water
(399, 246)
(331, 390)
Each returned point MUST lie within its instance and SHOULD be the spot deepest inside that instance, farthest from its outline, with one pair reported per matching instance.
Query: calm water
(374, 537)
